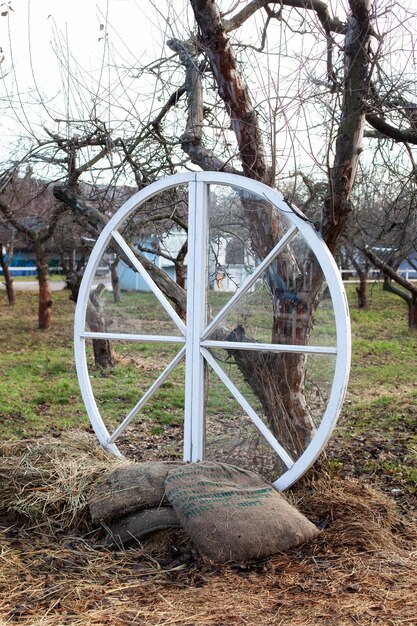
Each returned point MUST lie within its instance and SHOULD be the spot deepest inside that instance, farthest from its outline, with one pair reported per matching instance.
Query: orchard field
(362, 493)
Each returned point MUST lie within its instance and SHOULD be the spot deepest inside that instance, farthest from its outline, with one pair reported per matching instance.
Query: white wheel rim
(192, 339)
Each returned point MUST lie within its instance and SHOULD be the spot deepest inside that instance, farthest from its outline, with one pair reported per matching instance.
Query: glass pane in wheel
(232, 293)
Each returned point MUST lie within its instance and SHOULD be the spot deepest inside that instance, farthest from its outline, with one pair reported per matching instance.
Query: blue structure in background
(27, 262)
(133, 281)
(406, 265)
(130, 280)
(20, 260)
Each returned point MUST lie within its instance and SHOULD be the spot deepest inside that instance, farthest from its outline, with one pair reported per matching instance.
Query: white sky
(137, 30)
(31, 28)
(31, 32)
(27, 35)
(76, 30)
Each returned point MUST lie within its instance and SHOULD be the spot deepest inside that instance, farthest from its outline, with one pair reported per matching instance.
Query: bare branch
(98, 220)
(191, 139)
(404, 136)
(19, 226)
(95, 159)
(170, 103)
(389, 271)
(351, 127)
(188, 55)
(388, 286)
(320, 8)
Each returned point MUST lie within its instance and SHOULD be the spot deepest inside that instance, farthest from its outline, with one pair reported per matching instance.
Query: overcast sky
(34, 26)
(31, 32)
(40, 33)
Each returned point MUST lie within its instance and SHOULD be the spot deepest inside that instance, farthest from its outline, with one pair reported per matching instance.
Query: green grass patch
(30, 279)
(39, 389)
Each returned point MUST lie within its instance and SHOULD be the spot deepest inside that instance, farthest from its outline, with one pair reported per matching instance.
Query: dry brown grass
(47, 480)
(360, 570)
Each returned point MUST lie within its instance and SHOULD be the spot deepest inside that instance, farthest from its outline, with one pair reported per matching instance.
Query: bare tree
(215, 87)
(382, 231)
(217, 111)
(283, 396)
(396, 284)
(6, 254)
(27, 205)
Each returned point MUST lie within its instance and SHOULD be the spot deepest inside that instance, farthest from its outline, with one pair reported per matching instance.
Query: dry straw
(362, 569)
(47, 480)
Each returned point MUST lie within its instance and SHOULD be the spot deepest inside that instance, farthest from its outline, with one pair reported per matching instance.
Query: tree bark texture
(362, 291)
(115, 280)
(96, 322)
(278, 381)
(362, 271)
(45, 294)
(72, 276)
(352, 122)
(180, 273)
(8, 280)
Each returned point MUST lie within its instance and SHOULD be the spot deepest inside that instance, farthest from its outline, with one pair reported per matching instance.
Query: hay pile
(362, 569)
(47, 480)
(359, 516)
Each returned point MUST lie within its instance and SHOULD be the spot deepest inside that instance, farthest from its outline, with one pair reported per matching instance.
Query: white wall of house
(223, 276)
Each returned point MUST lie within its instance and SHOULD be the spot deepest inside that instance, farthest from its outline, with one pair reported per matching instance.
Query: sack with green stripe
(231, 514)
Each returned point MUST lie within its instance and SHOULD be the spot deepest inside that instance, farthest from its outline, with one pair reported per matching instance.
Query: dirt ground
(54, 569)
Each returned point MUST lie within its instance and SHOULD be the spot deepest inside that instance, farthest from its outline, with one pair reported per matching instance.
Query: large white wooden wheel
(221, 265)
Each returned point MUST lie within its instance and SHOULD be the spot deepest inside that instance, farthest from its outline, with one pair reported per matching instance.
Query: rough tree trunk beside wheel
(283, 396)
(8, 280)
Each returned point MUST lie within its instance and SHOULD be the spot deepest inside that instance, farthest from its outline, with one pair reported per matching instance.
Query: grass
(38, 370)
(39, 389)
(379, 419)
(32, 278)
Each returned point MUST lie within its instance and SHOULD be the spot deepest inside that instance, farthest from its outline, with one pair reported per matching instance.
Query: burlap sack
(231, 514)
(138, 525)
(130, 488)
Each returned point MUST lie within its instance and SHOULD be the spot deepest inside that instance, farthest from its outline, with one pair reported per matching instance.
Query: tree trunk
(352, 122)
(115, 280)
(73, 283)
(278, 381)
(281, 396)
(362, 271)
(412, 312)
(409, 291)
(72, 280)
(362, 291)
(101, 348)
(45, 294)
(96, 322)
(103, 356)
(180, 275)
(410, 298)
(8, 280)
